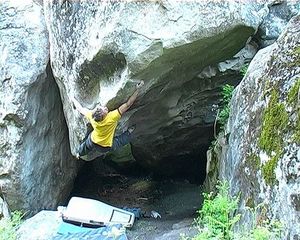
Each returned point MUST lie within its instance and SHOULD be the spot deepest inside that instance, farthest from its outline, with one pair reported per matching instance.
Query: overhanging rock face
(34, 146)
(182, 50)
(263, 157)
(100, 50)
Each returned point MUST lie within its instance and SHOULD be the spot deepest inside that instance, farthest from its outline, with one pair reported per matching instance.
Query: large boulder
(100, 49)
(36, 167)
(263, 157)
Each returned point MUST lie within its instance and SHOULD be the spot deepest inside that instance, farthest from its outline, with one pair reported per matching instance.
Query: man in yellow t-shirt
(104, 123)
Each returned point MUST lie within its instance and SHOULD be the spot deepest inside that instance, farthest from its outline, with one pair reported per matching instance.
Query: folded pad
(67, 231)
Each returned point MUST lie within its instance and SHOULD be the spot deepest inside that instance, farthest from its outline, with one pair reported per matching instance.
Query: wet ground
(175, 200)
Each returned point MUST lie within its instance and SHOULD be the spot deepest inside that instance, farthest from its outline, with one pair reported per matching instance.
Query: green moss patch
(275, 124)
(293, 101)
(296, 61)
(293, 94)
(275, 121)
(268, 169)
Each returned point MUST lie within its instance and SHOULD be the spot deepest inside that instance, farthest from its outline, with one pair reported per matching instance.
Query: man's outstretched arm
(78, 107)
(125, 106)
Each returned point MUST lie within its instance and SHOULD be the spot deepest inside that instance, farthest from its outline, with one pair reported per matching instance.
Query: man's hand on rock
(140, 84)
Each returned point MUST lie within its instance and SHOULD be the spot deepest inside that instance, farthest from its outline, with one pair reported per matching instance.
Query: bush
(217, 219)
(244, 69)
(223, 116)
(8, 227)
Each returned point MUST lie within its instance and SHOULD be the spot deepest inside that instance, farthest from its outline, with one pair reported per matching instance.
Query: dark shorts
(88, 145)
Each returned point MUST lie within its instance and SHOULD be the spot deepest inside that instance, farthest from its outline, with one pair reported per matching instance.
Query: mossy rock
(292, 98)
(268, 169)
(293, 101)
(296, 60)
(275, 122)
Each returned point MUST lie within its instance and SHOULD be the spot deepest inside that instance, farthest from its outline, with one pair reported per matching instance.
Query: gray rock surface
(36, 167)
(280, 12)
(4, 210)
(184, 51)
(99, 51)
(42, 226)
(263, 158)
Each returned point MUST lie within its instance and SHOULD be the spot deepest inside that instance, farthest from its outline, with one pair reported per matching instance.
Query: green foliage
(244, 69)
(8, 227)
(227, 91)
(215, 214)
(223, 116)
(217, 219)
(265, 232)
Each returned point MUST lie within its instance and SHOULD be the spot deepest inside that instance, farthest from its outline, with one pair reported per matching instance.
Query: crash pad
(94, 212)
(68, 231)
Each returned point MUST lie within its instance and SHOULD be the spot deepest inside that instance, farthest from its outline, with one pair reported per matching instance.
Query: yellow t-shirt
(104, 130)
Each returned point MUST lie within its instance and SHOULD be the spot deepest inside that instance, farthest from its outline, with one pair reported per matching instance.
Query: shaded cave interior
(176, 196)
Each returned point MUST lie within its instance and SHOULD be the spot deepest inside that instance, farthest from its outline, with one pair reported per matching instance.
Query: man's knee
(85, 147)
(81, 150)
(121, 140)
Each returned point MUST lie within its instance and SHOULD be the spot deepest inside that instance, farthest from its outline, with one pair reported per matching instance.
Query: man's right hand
(140, 84)
(78, 106)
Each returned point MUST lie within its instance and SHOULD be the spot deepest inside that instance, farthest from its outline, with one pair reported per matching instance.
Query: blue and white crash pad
(97, 213)
(67, 231)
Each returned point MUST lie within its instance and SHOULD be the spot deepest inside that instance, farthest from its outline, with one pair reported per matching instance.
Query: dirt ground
(176, 202)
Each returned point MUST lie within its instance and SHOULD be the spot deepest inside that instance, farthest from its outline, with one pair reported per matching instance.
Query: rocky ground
(175, 200)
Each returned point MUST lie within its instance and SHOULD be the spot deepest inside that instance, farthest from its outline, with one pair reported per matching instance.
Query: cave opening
(174, 197)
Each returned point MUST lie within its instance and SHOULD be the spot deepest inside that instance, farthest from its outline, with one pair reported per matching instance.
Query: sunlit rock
(262, 162)
(36, 168)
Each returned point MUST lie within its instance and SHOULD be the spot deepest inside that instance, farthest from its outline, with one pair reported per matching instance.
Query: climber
(104, 123)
